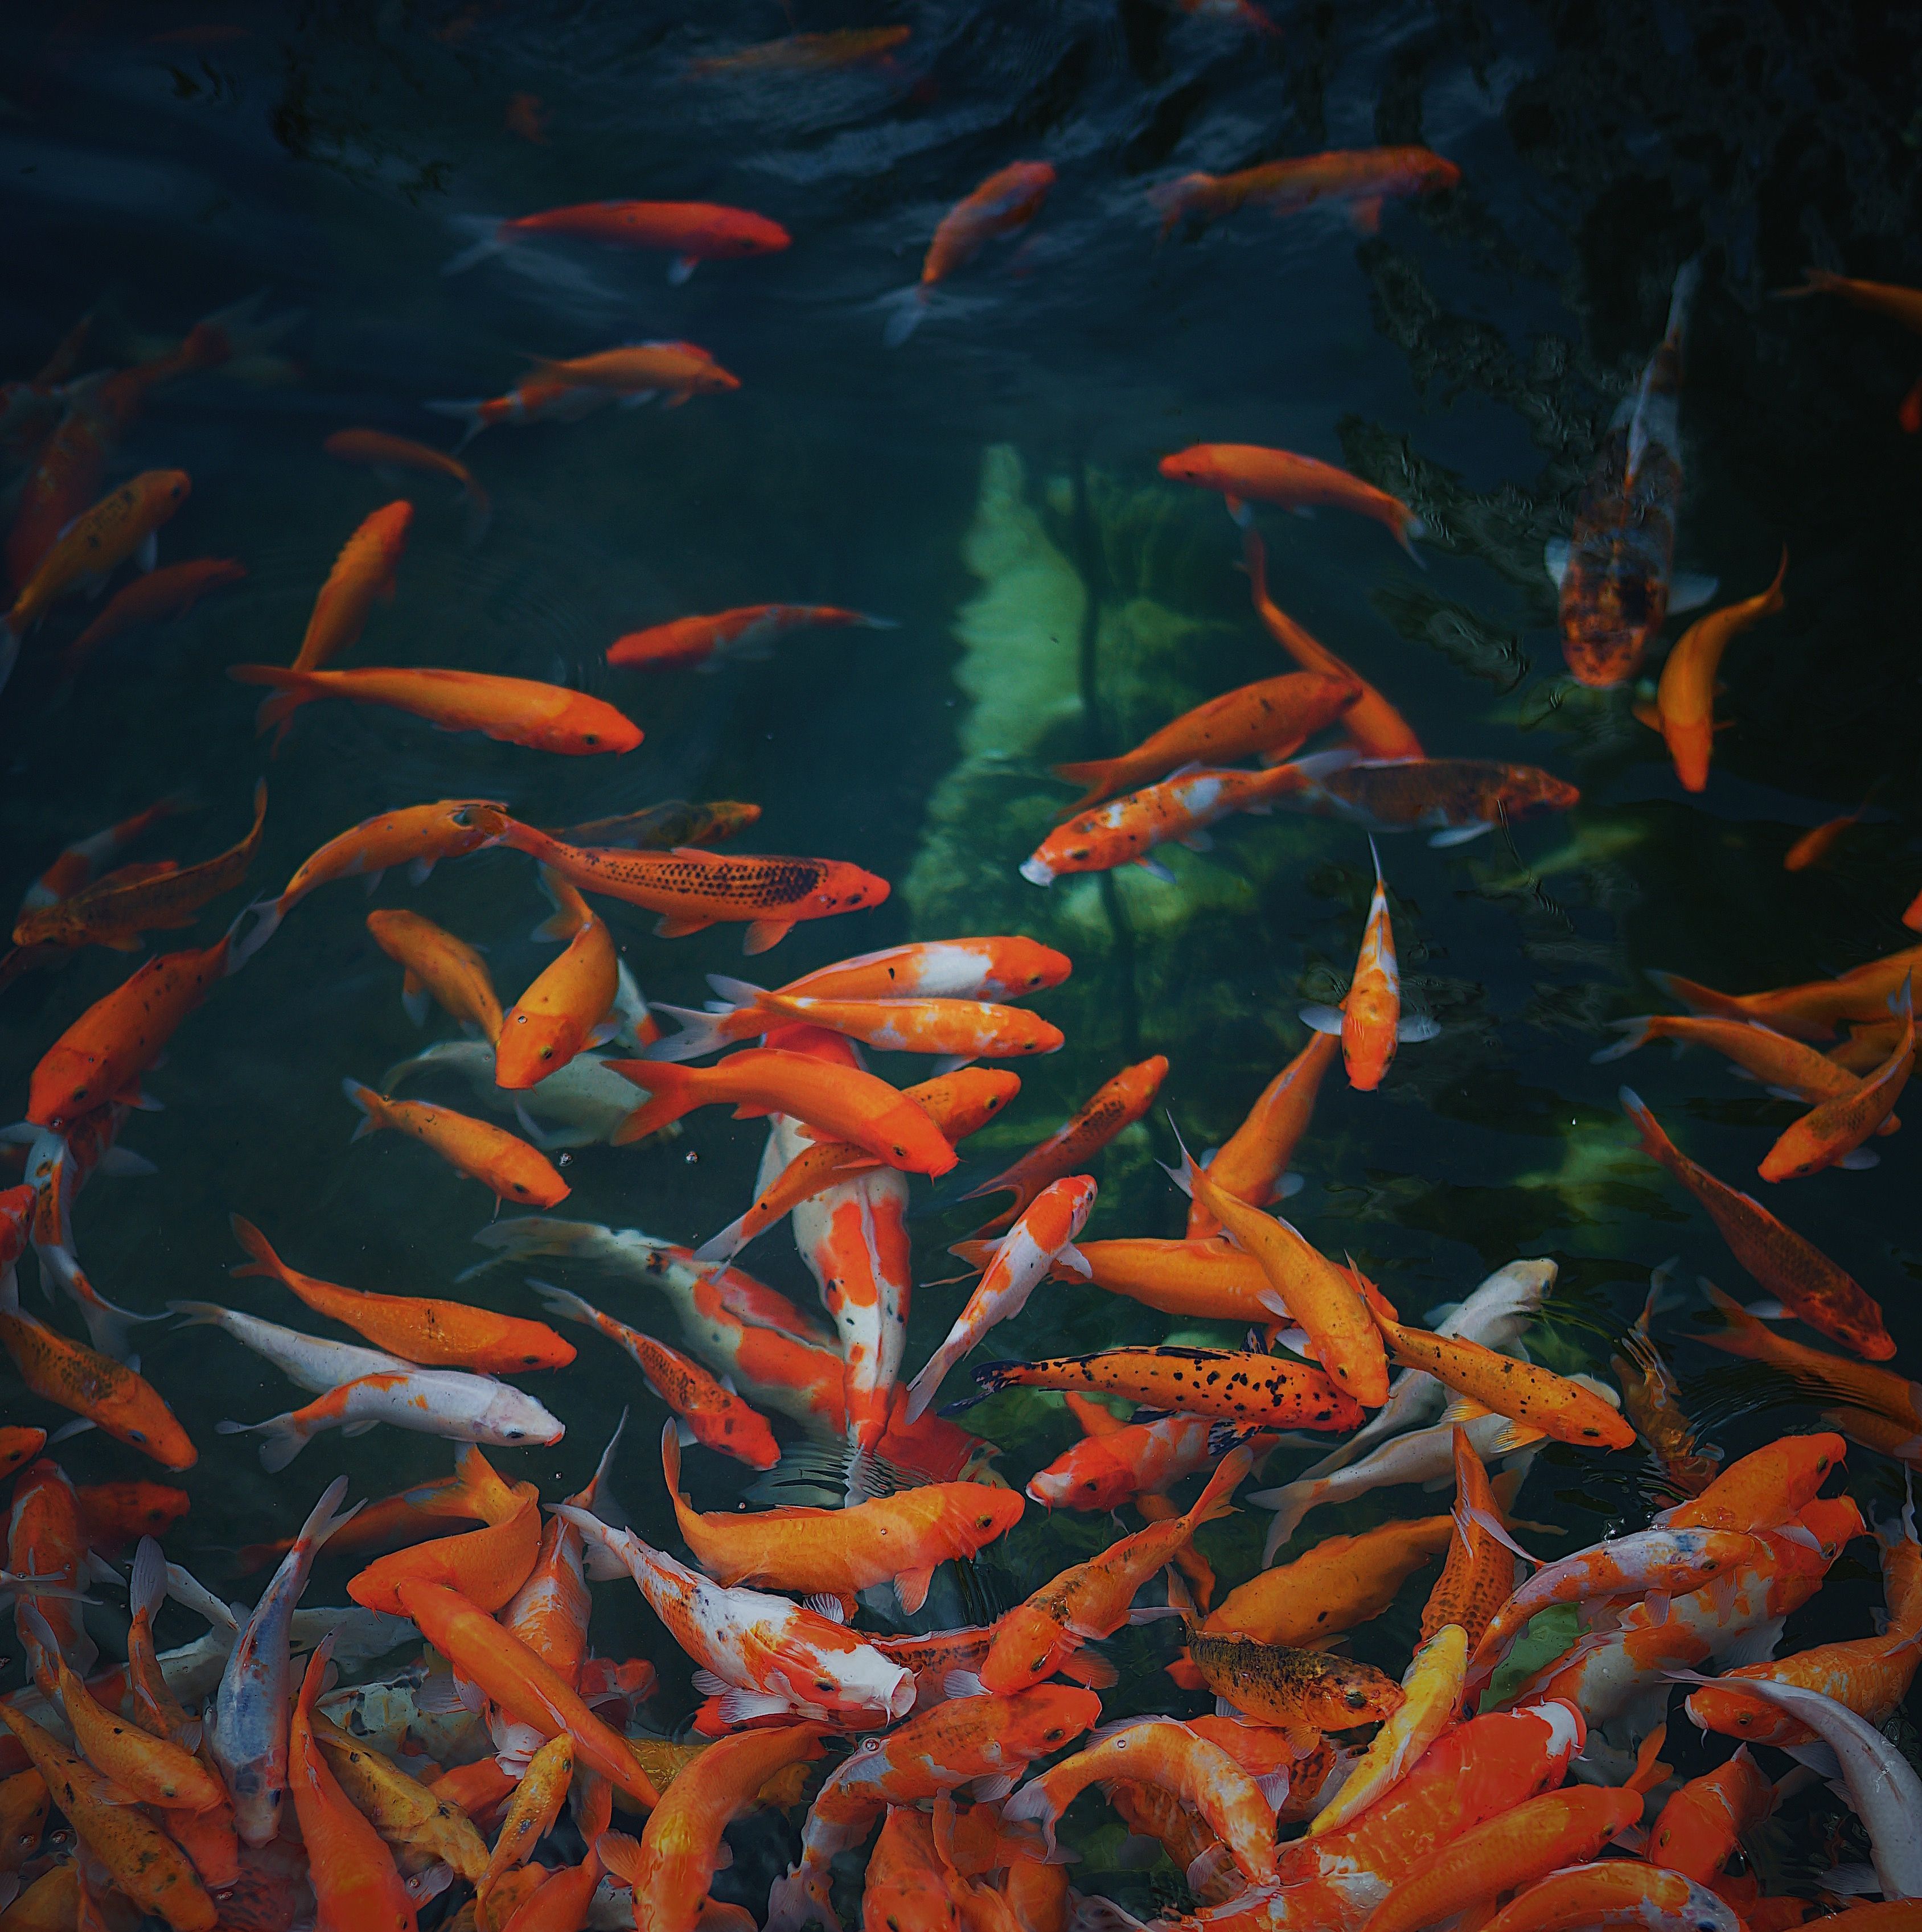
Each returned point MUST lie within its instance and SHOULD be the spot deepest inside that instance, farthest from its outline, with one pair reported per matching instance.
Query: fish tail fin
(480, 511)
(927, 1385)
(477, 1489)
(1653, 1140)
(700, 1034)
(1096, 775)
(571, 911)
(1634, 1033)
(108, 1324)
(1688, 283)
(909, 311)
(469, 414)
(1215, 1501)
(1650, 1771)
(271, 916)
(570, 1307)
(725, 1246)
(285, 1438)
(326, 1517)
(493, 243)
(671, 1093)
(1290, 1504)
(146, 1589)
(1174, 201)
(292, 688)
(1772, 599)
(371, 1105)
(1819, 281)
(1699, 998)
(265, 1261)
(620, 1854)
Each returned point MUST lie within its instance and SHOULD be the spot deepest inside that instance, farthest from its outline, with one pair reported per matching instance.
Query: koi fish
(1255, 1391)
(1039, 1238)
(1119, 1102)
(1252, 1164)
(1304, 1287)
(171, 591)
(708, 1411)
(670, 1869)
(418, 1823)
(805, 53)
(762, 1655)
(1116, 1460)
(1775, 1059)
(692, 889)
(116, 911)
(1831, 1135)
(511, 710)
(1246, 472)
(958, 1030)
(443, 1334)
(101, 1056)
(385, 452)
(692, 232)
(1478, 1576)
(660, 828)
(46, 1542)
(1126, 830)
(533, 399)
(527, 1690)
(1431, 1692)
(679, 370)
(1701, 1826)
(1810, 1010)
(487, 1566)
(435, 964)
(565, 1009)
(1008, 199)
(365, 570)
(1613, 571)
(1361, 179)
(1270, 1684)
(1685, 698)
(418, 836)
(19, 1446)
(1616, 1891)
(839, 1102)
(1369, 1021)
(115, 1514)
(991, 1740)
(1275, 716)
(1212, 1280)
(1817, 845)
(1373, 725)
(531, 1813)
(501, 1162)
(1809, 1285)
(1465, 797)
(1092, 1600)
(247, 1730)
(99, 542)
(747, 633)
(1651, 1399)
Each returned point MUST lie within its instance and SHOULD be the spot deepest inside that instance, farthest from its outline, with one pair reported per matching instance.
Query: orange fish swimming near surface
(692, 889)
(380, 450)
(1009, 198)
(1246, 472)
(511, 710)
(363, 572)
(1359, 179)
(1685, 698)
(746, 633)
(692, 232)
(501, 1162)
(1831, 1135)
(171, 591)
(678, 370)
(1252, 1164)
(1369, 1021)
(566, 1008)
(533, 399)
(435, 964)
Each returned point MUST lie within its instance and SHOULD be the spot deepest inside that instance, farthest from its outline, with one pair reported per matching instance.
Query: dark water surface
(991, 484)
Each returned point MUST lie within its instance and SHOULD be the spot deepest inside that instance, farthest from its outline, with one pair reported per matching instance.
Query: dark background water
(163, 163)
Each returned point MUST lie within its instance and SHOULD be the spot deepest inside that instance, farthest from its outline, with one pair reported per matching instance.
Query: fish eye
(984, 1522)
(516, 1434)
(591, 737)
(137, 1435)
(1054, 1736)
(546, 1053)
(1355, 1699)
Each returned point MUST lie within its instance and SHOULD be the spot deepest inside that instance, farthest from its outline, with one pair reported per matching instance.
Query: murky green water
(991, 484)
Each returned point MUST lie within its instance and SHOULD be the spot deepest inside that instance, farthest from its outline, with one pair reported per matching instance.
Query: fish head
(512, 1419)
(257, 1801)
(978, 1512)
(164, 490)
(1731, 1714)
(744, 233)
(1433, 174)
(531, 1046)
(1352, 1693)
(1028, 1645)
(1530, 790)
(1048, 1718)
(1192, 465)
(1089, 1476)
(845, 888)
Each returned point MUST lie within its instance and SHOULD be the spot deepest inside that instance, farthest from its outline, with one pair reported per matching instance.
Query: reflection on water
(302, 180)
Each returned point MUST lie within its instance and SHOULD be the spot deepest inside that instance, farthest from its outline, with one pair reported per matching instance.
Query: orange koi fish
(366, 569)
(1268, 1684)
(1478, 1577)
(116, 911)
(118, 1402)
(1212, 1280)
(529, 1691)
(692, 232)
(46, 1540)
(487, 1566)
(535, 1805)
(563, 1011)
(1519, 1847)
(1117, 1460)
(660, 828)
(679, 371)
(19, 1446)
(1809, 1011)
(1815, 846)
(171, 591)
(692, 889)
(1091, 1601)
(1374, 726)
(511, 710)
(99, 542)
(436, 965)
(806, 53)
(115, 1514)
(1463, 797)
(1304, 1287)
(1369, 1019)
(1685, 698)
(1126, 830)
(905, 1884)
(533, 399)
(1830, 1377)
(502, 1163)
(1117, 1103)
(357, 1886)
(1246, 472)
(1256, 1391)
(1613, 571)
(1252, 1164)
(988, 1738)
(840, 1102)
(1008, 199)
(959, 1104)
(1701, 1826)
(418, 837)
(747, 633)
(443, 1334)
(1042, 1236)
(1832, 1133)
(901, 1539)
(1616, 1891)
(709, 1412)
(549, 1613)
(383, 452)
(144, 1863)
(1775, 1059)
(958, 1029)
(1809, 1285)
(1359, 179)
(1277, 715)
(670, 1869)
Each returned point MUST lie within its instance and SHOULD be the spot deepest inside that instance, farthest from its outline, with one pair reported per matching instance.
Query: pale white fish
(307, 1360)
(581, 1105)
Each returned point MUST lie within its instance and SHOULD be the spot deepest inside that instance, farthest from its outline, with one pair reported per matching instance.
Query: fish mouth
(1037, 872)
